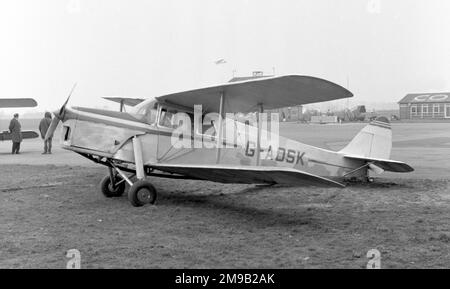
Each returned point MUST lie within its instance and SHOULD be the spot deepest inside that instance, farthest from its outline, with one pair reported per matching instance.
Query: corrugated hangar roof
(426, 98)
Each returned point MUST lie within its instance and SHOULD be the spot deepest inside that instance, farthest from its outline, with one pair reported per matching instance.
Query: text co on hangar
(425, 106)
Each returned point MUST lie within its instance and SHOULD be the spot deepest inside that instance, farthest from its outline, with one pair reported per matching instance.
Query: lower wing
(17, 102)
(387, 165)
(249, 175)
(4, 136)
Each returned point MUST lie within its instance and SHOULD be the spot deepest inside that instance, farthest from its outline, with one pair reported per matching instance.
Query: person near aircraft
(43, 128)
(16, 134)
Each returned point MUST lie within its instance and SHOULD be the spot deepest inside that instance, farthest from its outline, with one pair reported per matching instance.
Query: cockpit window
(167, 118)
(173, 118)
(147, 113)
(151, 115)
(141, 111)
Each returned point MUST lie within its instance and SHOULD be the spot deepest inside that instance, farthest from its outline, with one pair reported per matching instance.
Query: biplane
(143, 142)
(17, 102)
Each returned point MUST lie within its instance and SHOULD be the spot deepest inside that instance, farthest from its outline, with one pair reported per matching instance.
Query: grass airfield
(51, 203)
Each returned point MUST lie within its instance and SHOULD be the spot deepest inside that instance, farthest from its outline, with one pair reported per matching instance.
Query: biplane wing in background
(6, 135)
(17, 103)
(124, 101)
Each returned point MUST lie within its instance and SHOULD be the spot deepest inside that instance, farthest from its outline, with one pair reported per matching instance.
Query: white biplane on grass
(140, 143)
(17, 102)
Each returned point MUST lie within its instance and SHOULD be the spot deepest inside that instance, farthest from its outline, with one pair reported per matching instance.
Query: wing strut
(221, 117)
(122, 105)
(258, 141)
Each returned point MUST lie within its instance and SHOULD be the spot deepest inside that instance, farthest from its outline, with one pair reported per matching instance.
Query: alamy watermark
(213, 130)
(374, 257)
(74, 261)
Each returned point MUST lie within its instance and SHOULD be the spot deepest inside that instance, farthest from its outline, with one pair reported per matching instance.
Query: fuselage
(109, 134)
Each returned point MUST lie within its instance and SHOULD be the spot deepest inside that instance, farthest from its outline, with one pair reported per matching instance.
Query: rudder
(373, 141)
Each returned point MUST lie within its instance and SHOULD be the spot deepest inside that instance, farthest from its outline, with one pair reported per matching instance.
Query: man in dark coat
(16, 134)
(43, 128)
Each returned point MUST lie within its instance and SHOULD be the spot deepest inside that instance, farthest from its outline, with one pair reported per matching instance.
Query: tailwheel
(112, 189)
(141, 193)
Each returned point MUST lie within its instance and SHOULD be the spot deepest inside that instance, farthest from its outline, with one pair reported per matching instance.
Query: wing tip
(347, 93)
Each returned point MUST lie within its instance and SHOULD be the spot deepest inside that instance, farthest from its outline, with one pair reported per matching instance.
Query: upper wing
(248, 175)
(387, 165)
(17, 102)
(272, 93)
(125, 100)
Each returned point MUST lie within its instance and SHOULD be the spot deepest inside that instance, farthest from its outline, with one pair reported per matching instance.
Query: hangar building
(425, 106)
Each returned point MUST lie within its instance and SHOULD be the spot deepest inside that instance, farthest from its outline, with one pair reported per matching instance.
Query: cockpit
(167, 117)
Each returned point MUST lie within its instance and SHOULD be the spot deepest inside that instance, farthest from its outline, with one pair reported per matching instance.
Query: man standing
(16, 133)
(43, 128)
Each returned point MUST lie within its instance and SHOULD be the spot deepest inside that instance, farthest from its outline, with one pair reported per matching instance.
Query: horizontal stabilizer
(249, 175)
(387, 165)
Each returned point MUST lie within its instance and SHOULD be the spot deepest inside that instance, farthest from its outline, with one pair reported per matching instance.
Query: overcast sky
(149, 48)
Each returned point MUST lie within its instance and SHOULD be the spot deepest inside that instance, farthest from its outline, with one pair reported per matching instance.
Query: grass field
(50, 204)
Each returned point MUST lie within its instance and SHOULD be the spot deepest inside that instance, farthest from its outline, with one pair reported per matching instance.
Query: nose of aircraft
(56, 114)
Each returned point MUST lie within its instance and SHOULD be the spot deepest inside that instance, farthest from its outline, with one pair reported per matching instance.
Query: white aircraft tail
(373, 141)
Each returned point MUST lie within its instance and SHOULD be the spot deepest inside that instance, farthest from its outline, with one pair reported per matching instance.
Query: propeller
(58, 116)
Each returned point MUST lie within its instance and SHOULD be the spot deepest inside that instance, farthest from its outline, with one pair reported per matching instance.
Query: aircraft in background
(124, 101)
(356, 114)
(140, 142)
(17, 102)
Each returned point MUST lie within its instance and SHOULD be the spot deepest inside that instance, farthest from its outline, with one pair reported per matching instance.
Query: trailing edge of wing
(17, 102)
(387, 165)
(249, 175)
(271, 92)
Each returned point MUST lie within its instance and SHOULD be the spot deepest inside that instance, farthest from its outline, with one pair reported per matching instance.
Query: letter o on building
(421, 97)
(438, 97)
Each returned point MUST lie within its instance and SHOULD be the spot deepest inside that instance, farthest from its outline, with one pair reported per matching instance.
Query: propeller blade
(63, 108)
(58, 116)
(52, 127)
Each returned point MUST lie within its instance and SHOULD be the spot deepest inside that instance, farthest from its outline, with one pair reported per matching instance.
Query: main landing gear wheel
(141, 193)
(111, 191)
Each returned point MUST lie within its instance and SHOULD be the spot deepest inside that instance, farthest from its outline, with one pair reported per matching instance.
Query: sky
(380, 49)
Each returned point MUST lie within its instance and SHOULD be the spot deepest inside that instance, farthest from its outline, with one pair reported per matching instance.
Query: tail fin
(373, 141)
